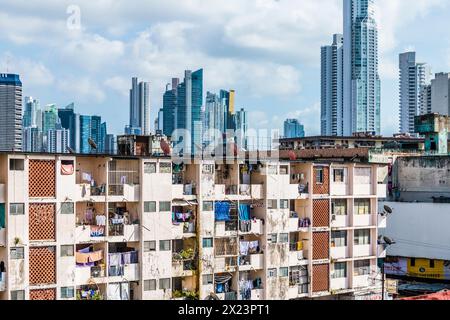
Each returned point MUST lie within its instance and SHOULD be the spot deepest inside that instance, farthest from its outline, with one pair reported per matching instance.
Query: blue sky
(267, 50)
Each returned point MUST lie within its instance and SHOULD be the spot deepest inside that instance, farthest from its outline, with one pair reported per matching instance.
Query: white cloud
(82, 89)
(33, 73)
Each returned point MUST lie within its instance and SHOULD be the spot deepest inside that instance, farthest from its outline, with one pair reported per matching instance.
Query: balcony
(254, 191)
(84, 275)
(297, 257)
(362, 281)
(362, 189)
(2, 281)
(184, 191)
(183, 268)
(87, 233)
(131, 272)
(252, 262)
(339, 284)
(123, 264)
(226, 229)
(121, 232)
(340, 221)
(295, 191)
(362, 251)
(363, 220)
(338, 253)
(297, 291)
(225, 264)
(339, 189)
(254, 226)
(124, 193)
(299, 224)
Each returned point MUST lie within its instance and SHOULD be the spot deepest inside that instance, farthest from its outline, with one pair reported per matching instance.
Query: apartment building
(93, 227)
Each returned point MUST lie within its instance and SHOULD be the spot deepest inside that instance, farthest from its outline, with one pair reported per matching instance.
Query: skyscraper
(414, 77)
(102, 139)
(332, 88)
(241, 125)
(188, 111)
(440, 94)
(96, 132)
(361, 79)
(50, 118)
(58, 140)
(11, 131)
(85, 133)
(214, 118)
(227, 98)
(293, 129)
(169, 105)
(68, 121)
(139, 107)
(30, 112)
(159, 123)
(32, 139)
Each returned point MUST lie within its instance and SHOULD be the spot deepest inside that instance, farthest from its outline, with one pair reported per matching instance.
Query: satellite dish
(388, 209)
(92, 144)
(388, 241)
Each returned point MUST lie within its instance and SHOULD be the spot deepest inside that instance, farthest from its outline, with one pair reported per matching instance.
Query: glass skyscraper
(139, 108)
(169, 105)
(85, 133)
(68, 121)
(11, 130)
(361, 79)
(188, 111)
(293, 129)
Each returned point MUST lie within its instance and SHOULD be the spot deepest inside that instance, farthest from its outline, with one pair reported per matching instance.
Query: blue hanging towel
(244, 212)
(222, 211)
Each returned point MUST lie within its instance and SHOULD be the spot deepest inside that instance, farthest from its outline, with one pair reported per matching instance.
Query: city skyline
(294, 71)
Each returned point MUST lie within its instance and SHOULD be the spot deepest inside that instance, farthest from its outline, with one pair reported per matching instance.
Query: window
(16, 164)
(413, 262)
(17, 253)
(284, 170)
(284, 237)
(149, 246)
(362, 268)
(362, 206)
(284, 204)
(67, 208)
(67, 292)
(339, 175)
(340, 270)
(272, 238)
(271, 204)
(208, 169)
(207, 243)
(67, 251)
(432, 264)
(362, 237)
(208, 206)
(272, 273)
(164, 284)
(284, 272)
(149, 206)
(16, 209)
(149, 167)
(150, 285)
(319, 175)
(165, 206)
(339, 207)
(164, 245)
(339, 239)
(18, 295)
(208, 279)
(165, 167)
